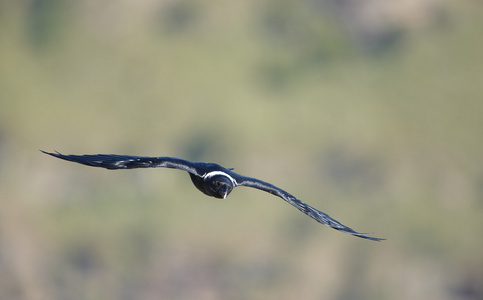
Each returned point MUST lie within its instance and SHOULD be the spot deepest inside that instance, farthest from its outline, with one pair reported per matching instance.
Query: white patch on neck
(214, 173)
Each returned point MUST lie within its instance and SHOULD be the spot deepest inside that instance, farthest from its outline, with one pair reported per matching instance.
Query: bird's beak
(224, 191)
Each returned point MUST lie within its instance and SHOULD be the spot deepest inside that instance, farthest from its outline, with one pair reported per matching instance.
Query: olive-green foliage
(381, 127)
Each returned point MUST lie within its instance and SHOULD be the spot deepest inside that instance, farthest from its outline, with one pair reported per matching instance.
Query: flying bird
(211, 179)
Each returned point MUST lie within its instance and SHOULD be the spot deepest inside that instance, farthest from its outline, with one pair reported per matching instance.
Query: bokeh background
(371, 111)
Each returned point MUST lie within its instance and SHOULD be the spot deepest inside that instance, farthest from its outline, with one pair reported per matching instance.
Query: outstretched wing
(114, 161)
(315, 214)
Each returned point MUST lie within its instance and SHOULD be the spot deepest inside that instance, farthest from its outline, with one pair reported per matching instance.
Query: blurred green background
(370, 111)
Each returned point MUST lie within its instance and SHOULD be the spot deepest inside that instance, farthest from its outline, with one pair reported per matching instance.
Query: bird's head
(219, 186)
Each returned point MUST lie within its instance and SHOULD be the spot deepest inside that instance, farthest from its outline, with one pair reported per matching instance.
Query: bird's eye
(218, 183)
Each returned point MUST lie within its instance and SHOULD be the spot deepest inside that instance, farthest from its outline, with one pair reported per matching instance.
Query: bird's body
(211, 179)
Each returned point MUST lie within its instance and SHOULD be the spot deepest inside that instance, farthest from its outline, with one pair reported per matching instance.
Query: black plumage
(211, 179)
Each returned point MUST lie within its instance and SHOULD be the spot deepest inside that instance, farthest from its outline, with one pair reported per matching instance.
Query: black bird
(212, 179)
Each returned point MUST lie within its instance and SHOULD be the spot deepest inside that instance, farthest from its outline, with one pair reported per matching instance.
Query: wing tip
(56, 154)
(366, 236)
